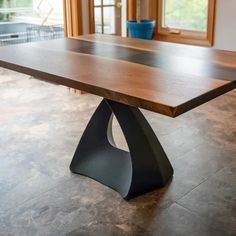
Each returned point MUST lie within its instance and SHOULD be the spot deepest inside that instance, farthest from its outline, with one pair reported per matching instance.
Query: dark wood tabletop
(162, 77)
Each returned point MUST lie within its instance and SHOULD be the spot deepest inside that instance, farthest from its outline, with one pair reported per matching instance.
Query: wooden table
(129, 74)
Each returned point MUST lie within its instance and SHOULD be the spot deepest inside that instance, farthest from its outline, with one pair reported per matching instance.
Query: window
(107, 16)
(23, 21)
(186, 21)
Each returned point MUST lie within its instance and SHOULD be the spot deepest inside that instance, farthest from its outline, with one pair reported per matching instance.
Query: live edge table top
(162, 77)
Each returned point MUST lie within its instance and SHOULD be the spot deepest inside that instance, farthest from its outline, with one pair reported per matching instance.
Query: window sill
(200, 41)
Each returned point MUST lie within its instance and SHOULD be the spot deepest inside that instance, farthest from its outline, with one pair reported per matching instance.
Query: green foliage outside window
(186, 14)
(8, 4)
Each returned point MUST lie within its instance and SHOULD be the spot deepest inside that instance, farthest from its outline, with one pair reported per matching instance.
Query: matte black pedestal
(133, 173)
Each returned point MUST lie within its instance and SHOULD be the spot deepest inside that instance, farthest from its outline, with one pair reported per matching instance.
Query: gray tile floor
(40, 126)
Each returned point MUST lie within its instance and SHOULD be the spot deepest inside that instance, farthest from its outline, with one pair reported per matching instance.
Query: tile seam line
(213, 174)
(34, 198)
(198, 215)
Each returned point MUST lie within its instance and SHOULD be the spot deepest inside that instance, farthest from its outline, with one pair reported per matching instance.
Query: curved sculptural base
(142, 169)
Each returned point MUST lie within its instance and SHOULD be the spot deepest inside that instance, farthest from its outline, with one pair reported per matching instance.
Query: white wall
(124, 18)
(225, 25)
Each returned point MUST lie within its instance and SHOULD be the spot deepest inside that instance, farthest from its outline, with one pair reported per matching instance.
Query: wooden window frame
(73, 20)
(131, 9)
(186, 36)
(91, 17)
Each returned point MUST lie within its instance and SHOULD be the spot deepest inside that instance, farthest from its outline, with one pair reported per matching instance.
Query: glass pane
(18, 3)
(97, 2)
(108, 2)
(185, 14)
(24, 21)
(98, 19)
(109, 20)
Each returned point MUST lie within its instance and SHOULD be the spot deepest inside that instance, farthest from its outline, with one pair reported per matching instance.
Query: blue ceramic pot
(142, 30)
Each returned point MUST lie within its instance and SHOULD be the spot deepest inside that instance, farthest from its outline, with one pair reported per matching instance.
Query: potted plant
(141, 28)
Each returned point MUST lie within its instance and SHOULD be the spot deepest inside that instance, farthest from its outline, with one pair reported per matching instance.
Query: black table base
(142, 169)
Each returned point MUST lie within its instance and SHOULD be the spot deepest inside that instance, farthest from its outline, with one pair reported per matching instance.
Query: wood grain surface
(162, 77)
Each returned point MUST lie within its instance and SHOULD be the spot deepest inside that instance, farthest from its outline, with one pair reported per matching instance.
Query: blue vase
(143, 29)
